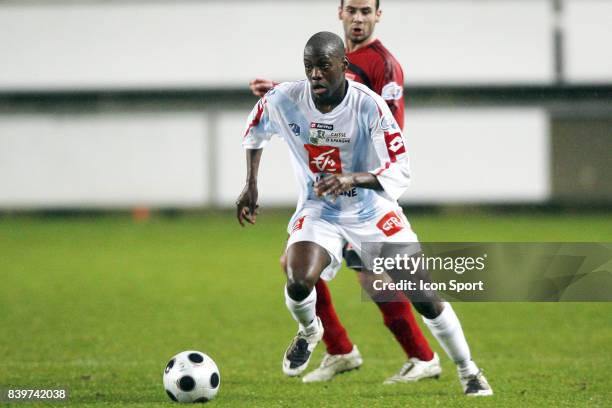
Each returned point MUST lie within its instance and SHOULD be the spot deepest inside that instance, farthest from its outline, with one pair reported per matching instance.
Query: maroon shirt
(375, 67)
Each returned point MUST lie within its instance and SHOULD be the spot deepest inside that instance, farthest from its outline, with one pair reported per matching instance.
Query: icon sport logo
(390, 224)
(323, 159)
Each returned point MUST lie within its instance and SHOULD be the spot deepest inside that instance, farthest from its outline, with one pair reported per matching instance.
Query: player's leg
(314, 248)
(421, 362)
(305, 263)
(335, 336)
(336, 339)
(392, 227)
(397, 315)
(444, 324)
(342, 355)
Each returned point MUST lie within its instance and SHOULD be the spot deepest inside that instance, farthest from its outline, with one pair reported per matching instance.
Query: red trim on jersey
(260, 108)
(299, 223)
(379, 172)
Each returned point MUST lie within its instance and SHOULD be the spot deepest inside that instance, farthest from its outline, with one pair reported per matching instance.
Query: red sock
(400, 320)
(335, 338)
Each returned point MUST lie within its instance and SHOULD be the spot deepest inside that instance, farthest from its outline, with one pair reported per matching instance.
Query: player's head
(359, 18)
(325, 63)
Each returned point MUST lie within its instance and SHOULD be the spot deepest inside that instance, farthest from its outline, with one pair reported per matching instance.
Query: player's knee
(298, 290)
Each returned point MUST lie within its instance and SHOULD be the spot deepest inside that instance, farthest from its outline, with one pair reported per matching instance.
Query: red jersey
(375, 67)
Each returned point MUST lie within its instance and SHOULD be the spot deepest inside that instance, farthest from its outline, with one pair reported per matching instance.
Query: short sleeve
(393, 169)
(259, 128)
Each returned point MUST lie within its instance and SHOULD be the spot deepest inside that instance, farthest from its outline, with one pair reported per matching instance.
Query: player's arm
(392, 175)
(338, 183)
(258, 131)
(246, 204)
(260, 86)
(389, 83)
(393, 169)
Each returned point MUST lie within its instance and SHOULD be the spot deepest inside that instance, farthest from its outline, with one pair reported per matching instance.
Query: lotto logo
(390, 224)
(324, 126)
(324, 159)
(395, 145)
(298, 224)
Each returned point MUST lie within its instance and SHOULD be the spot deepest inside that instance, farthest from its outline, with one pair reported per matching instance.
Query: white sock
(303, 312)
(447, 330)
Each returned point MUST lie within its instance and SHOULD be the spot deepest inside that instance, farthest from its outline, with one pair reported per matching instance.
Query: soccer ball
(191, 376)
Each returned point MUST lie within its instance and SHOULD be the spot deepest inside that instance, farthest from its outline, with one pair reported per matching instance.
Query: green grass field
(98, 305)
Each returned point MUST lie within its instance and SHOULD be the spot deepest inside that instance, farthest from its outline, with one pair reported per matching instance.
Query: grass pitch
(99, 305)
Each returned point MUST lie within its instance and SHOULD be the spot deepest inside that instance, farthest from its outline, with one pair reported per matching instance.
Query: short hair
(377, 4)
(325, 42)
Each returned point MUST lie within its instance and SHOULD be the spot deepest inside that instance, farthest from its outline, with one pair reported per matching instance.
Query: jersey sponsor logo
(321, 133)
(337, 137)
(295, 128)
(316, 137)
(395, 145)
(324, 126)
(350, 193)
(298, 224)
(324, 159)
(392, 91)
(390, 224)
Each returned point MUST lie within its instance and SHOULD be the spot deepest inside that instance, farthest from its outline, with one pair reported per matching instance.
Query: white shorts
(386, 226)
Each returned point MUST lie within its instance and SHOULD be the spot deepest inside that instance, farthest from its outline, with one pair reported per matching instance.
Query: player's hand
(246, 205)
(260, 86)
(334, 184)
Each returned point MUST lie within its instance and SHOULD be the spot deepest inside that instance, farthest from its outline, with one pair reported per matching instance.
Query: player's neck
(352, 47)
(333, 101)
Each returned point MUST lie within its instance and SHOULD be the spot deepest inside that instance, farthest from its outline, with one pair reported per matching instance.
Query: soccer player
(371, 64)
(351, 164)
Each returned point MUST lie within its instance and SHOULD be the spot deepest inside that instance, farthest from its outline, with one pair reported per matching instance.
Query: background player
(349, 186)
(371, 64)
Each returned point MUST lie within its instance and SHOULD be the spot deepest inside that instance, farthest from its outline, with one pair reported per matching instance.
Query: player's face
(325, 73)
(359, 18)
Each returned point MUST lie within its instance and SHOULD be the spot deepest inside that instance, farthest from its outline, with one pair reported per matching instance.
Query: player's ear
(340, 13)
(378, 14)
(345, 63)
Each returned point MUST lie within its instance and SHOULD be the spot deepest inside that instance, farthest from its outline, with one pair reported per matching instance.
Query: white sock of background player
(304, 312)
(446, 328)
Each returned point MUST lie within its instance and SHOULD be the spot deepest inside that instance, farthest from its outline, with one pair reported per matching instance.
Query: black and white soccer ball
(191, 376)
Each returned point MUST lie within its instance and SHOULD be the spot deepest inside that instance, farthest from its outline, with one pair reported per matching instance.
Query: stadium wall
(70, 137)
(185, 44)
(187, 159)
(63, 45)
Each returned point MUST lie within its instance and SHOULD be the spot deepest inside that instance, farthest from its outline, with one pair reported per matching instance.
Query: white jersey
(358, 135)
